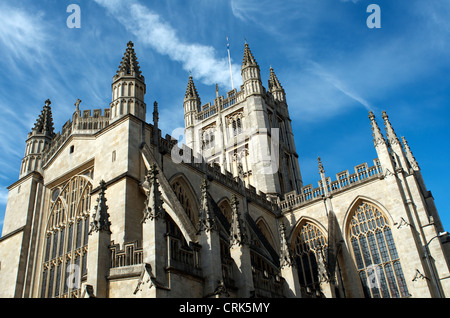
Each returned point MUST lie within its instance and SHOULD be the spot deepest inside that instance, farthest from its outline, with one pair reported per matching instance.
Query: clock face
(55, 194)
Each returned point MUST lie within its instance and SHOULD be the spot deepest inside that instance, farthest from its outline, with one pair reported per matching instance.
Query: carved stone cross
(77, 104)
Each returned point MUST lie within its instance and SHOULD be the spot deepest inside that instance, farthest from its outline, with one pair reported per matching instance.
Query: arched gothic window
(66, 239)
(235, 123)
(375, 253)
(309, 248)
(186, 198)
(208, 137)
(225, 208)
(262, 225)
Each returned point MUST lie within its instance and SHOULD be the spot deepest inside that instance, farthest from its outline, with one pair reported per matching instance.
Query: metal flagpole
(229, 62)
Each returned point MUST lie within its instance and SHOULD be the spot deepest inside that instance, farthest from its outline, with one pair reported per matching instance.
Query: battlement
(220, 103)
(88, 122)
(344, 180)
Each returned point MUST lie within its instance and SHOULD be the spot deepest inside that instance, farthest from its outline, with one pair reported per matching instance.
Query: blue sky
(332, 66)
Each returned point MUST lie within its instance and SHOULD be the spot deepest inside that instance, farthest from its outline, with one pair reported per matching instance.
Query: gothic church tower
(248, 132)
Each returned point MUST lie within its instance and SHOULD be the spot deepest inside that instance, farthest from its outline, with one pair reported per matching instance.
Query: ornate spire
(191, 91)
(410, 156)
(101, 217)
(285, 253)
(129, 65)
(377, 136)
(321, 169)
(274, 83)
(206, 220)
(44, 123)
(238, 235)
(391, 136)
(248, 59)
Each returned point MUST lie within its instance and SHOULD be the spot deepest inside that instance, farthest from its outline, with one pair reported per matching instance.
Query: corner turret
(128, 88)
(275, 88)
(191, 104)
(251, 74)
(40, 136)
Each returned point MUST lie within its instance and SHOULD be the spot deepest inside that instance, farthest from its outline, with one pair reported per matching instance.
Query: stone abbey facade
(108, 207)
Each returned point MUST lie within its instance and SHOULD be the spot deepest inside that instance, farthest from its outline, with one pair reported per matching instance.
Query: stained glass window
(66, 237)
(376, 256)
(309, 247)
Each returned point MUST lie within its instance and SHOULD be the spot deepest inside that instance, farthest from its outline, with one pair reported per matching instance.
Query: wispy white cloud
(22, 35)
(339, 84)
(256, 13)
(152, 30)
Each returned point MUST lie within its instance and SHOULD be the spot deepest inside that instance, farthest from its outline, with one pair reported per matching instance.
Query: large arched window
(66, 239)
(375, 253)
(309, 248)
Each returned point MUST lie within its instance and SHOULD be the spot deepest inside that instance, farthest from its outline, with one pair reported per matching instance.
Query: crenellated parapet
(344, 180)
(86, 122)
(221, 103)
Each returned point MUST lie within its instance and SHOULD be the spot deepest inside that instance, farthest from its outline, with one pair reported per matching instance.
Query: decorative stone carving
(153, 203)
(77, 105)
(206, 220)
(147, 277)
(286, 259)
(219, 291)
(100, 216)
(238, 235)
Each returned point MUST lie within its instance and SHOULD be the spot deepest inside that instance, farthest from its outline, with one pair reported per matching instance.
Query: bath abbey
(109, 207)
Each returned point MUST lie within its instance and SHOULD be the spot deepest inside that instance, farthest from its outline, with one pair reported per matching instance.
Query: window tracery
(309, 250)
(375, 253)
(66, 241)
(186, 199)
(235, 123)
(208, 138)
